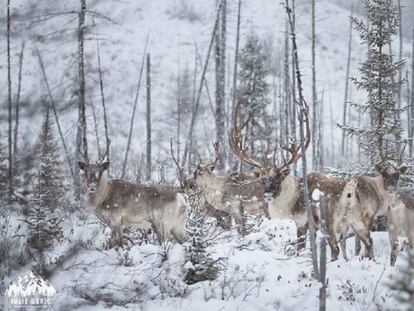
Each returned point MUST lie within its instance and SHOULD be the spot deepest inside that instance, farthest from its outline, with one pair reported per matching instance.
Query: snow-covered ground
(257, 272)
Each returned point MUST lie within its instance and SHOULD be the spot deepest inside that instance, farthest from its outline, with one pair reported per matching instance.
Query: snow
(260, 271)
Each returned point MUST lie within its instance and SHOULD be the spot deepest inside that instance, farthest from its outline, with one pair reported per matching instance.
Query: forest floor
(260, 271)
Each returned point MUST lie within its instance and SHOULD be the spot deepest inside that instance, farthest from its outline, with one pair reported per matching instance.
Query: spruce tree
(199, 266)
(50, 188)
(379, 78)
(403, 282)
(49, 191)
(254, 89)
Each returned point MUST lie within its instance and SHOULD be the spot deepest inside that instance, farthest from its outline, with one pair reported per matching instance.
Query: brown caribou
(225, 196)
(121, 203)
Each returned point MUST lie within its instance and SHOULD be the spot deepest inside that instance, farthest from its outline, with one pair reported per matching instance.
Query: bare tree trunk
(348, 66)
(412, 96)
(52, 102)
(189, 145)
(235, 70)
(314, 96)
(81, 138)
(179, 109)
(332, 132)
(16, 120)
(400, 56)
(148, 117)
(95, 123)
(286, 89)
(302, 107)
(101, 86)
(9, 105)
(409, 121)
(322, 288)
(220, 84)
(293, 81)
(131, 125)
(320, 149)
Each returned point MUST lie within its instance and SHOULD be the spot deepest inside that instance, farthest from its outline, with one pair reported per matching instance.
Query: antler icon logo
(30, 290)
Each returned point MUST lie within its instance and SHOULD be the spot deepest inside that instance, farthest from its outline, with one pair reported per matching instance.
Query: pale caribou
(400, 220)
(121, 203)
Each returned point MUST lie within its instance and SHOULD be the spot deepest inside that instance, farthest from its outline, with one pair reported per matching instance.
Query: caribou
(120, 203)
(400, 220)
(281, 189)
(226, 196)
(371, 197)
(284, 191)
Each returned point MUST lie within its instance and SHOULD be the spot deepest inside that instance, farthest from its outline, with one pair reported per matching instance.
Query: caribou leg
(332, 241)
(363, 233)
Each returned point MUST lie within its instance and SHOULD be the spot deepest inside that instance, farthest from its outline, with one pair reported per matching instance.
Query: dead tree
(190, 140)
(236, 64)
(348, 66)
(315, 120)
(148, 117)
(101, 87)
(81, 139)
(131, 125)
(17, 104)
(9, 105)
(220, 58)
(412, 99)
(302, 106)
(293, 81)
(409, 121)
(322, 263)
(286, 88)
(400, 57)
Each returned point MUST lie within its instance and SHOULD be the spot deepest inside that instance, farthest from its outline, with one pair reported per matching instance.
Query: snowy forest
(210, 154)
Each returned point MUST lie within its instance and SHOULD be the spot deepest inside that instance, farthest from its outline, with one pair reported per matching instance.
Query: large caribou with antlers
(284, 191)
(121, 203)
(281, 189)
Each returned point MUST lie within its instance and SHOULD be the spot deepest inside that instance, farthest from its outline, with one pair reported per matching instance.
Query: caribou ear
(378, 168)
(211, 167)
(285, 172)
(105, 165)
(82, 165)
(403, 169)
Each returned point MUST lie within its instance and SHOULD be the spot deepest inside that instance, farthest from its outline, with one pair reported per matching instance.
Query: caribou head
(391, 174)
(93, 174)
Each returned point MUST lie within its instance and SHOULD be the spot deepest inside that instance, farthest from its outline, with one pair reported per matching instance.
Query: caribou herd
(269, 189)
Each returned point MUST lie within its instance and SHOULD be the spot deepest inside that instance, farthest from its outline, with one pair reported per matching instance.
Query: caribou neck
(94, 200)
(282, 205)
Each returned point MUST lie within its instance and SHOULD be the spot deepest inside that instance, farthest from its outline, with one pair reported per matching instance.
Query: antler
(293, 149)
(216, 153)
(236, 142)
(106, 154)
